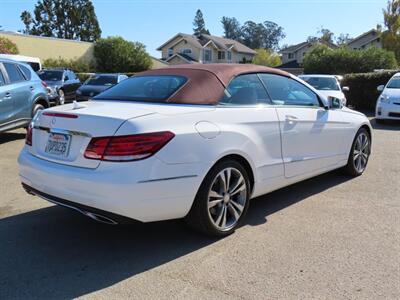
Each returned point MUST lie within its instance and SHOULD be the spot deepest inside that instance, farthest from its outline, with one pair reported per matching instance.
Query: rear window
(51, 75)
(322, 83)
(102, 80)
(13, 73)
(154, 88)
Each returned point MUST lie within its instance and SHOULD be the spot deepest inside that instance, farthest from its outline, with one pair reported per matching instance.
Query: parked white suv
(388, 104)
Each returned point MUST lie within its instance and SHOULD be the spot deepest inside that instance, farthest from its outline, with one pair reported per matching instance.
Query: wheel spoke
(228, 173)
(223, 180)
(238, 206)
(223, 224)
(241, 188)
(214, 194)
(212, 203)
(233, 211)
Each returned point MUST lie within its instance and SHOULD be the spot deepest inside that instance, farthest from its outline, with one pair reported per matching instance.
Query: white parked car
(388, 104)
(195, 142)
(327, 85)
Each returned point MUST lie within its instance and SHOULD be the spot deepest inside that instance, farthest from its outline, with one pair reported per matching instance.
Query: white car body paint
(388, 103)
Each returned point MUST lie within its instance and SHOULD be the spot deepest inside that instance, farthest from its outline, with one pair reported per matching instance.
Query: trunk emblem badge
(53, 121)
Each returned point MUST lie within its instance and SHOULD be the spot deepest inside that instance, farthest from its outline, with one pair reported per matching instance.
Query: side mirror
(335, 103)
(380, 88)
(345, 89)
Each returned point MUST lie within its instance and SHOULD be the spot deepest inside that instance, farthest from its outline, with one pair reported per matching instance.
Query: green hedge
(363, 93)
(75, 65)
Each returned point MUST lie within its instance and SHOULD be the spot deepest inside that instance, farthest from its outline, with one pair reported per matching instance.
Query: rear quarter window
(13, 73)
(27, 73)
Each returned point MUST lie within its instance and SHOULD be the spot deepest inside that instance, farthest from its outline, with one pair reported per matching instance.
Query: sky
(153, 22)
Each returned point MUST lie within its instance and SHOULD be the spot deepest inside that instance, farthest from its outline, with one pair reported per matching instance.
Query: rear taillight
(128, 147)
(28, 138)
(44, 84)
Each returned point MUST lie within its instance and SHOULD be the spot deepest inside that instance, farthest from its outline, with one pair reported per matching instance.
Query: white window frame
(222, 54)
(210, 58)
(170, 52)
(229, 55)
(290, 55)
(186, 51)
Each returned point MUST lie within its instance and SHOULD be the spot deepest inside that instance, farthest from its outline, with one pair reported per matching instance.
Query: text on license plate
(58, 144)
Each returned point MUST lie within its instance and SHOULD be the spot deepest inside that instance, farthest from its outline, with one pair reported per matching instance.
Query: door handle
(31, 88)
(7, 95)
(290, 119)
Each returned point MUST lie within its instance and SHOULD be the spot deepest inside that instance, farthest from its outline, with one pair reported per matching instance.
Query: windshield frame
(394, 79)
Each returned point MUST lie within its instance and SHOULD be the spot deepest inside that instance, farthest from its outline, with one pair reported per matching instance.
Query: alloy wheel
(361, 152)
(61, 97)
(227, 198)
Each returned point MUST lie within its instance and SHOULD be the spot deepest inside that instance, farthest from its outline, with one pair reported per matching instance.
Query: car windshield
(394, 83)
(50, 75)
(102, 80)
(322, 83)
(154, 88)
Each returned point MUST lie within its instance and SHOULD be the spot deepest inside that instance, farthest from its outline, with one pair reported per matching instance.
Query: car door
(20, 91)
(246, 104)
(313, 138)
(6, 102)
(68, 85)
(75, 82)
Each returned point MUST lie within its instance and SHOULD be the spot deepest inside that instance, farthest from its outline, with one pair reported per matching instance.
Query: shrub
(363, 93)
(7, 46)
(323, 60)
(114, 54)
(76, 65)
(266, 57)
(83, 76)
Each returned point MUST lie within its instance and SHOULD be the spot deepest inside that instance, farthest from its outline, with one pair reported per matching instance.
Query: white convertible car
(194, 142)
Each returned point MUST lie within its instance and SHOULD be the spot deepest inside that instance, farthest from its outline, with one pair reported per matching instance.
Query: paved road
(327, 238)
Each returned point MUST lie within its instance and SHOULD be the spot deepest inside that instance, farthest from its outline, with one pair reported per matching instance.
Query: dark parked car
(62, 84)
(22, 94)
(97, 84)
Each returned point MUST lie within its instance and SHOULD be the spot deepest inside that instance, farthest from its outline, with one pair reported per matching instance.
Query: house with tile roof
(187, 49)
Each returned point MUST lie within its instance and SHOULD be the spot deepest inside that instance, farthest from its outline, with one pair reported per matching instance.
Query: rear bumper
(147, 190)
(387, 111)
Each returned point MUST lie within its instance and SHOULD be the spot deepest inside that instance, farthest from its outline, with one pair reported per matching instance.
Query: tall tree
(323, 34)
(266, 57)
(262, 35)
(232, 28)
(343, 39)
(69, 19)
(391, 36)
(199, 24)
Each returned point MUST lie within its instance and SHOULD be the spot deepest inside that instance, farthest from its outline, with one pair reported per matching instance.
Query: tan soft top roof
(206, 82)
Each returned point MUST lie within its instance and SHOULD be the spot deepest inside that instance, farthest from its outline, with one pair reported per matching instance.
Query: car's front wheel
(359, 154)
(222, 200)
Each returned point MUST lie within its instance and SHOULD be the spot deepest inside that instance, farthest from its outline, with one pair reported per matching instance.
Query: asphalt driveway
(331, 237)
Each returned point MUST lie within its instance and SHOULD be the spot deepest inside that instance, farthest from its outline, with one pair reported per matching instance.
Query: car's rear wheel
(36, 108)
(222, 200)
(61, 97)
(359, 154)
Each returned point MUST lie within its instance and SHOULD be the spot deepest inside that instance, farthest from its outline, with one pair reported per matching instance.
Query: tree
(7, 46)
(199, 24)
(391, 37)
(343, 39)
(69, 19)
(262, 35)
(266, 57)
(323, 34)
(114, 54)
(323, 60)
(232, 28)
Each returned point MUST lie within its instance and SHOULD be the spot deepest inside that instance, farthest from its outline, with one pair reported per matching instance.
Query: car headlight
(78, 92)
(384, 98)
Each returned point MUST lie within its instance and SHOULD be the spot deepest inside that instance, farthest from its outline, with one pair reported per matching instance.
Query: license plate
(58, 144)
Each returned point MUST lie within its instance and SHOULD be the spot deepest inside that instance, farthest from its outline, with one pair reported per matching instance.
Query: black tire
(36, 108)
(200, 218)
(352, 163)
(61, 97)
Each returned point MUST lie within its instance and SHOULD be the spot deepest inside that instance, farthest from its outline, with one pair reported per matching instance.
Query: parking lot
(330, 237)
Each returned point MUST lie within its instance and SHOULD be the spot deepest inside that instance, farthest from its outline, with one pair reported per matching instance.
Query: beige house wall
(45, 48)
(177, 47)
(364, 42)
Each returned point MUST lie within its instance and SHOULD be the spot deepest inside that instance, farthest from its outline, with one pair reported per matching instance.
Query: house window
(229, 55)
(186, 51)
(221, 54)
(170, 52)
(291, 55)
(207, 55)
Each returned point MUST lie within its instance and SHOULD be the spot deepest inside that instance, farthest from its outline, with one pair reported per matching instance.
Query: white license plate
(58, 144)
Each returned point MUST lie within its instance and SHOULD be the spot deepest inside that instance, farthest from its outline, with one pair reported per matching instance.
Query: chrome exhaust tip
(100, 218)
